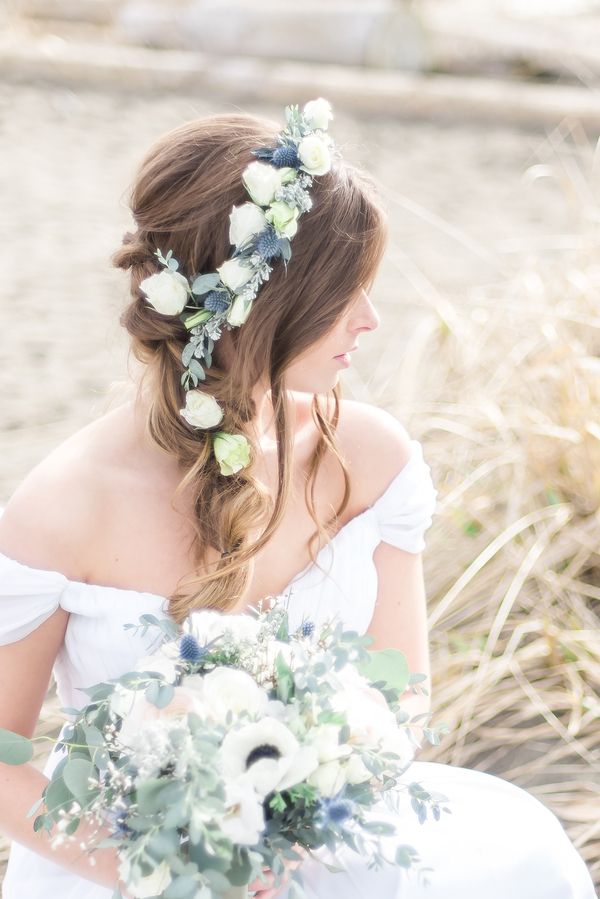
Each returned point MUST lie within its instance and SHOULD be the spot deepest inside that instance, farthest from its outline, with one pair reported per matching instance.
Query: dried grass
(504, 392)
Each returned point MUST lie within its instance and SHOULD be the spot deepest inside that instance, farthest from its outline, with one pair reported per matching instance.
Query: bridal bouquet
(230, 746)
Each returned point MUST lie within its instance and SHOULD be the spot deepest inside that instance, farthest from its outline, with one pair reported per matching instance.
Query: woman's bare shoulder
(374, 444)
(50, 520)
(376, 447)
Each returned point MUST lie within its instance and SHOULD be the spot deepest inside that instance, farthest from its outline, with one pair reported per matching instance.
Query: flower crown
(261, 232)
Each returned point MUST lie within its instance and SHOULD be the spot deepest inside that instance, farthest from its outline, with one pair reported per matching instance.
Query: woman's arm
(47, 524)
(400, 617)
(25, 668)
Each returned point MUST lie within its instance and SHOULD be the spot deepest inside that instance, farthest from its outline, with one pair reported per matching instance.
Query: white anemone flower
(244, 820)
(267, 755)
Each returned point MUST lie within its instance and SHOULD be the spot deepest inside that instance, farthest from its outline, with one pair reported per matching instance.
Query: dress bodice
(343, 582)
(499, 841)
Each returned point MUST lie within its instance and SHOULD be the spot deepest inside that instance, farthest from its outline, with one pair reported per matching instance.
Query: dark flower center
(265, 751)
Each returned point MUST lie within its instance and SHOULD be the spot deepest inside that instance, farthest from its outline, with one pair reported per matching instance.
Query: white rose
(245, 221)
(239, 311)
(318, 113)
(159, 663)
(208, 624)
(167, 291)
(201, 409)
(356, 770)
(325, 740)
(231, 690)
(234, 275)
(398, 742)
(328, 778)
(262, 180)
(367, 713)
(146, 887)
(244, 820)
(315, 155)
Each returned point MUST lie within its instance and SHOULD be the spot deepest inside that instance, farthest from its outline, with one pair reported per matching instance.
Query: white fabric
(499, 840)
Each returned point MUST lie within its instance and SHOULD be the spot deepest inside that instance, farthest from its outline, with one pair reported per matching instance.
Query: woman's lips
(344, 359)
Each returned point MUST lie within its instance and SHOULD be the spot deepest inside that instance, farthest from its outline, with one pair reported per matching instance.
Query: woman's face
(317, 370)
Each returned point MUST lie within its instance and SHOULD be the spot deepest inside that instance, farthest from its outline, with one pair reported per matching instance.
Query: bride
(206, 486)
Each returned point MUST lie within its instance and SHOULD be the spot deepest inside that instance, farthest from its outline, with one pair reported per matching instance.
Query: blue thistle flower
(308, 628)
(334, 811)
(216, 301)
(189, 649)
(285, 156)
(268, 244)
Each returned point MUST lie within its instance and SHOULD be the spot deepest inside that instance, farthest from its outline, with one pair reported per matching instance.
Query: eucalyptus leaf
(36, 805)
(76, 775)
(197, 369)
(57, 795)
(217, 881)
(286, 249)
(163, 844)
(388, 665)
(203, 283)
(93, 736)
(182, 888)
(15, 749)
(188, 352)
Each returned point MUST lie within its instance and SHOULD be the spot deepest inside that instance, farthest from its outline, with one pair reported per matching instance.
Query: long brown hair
(181, 198)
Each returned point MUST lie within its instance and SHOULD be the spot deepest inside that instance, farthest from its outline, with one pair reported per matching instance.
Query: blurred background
(480, 120)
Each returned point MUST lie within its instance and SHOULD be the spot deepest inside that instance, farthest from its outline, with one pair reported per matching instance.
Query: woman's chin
(321, 386)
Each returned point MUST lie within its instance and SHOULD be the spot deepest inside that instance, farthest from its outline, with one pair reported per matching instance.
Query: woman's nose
(365, 317)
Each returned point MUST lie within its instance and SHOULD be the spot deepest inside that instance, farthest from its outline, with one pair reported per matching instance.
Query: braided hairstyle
(180, 199)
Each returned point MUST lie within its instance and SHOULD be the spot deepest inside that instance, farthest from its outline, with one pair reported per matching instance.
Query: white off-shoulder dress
(499, 842)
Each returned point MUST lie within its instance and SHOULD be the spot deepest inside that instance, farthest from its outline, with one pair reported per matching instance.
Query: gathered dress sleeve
(405, 510)
(28, 596)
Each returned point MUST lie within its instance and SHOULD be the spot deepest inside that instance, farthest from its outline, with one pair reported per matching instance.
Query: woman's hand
(265, 889)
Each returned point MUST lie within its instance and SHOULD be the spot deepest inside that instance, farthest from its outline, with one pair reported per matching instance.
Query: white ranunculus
(146, 887)
(328, 778)
(318, 113)
(201, 409)
(314, 154)
(239, 311)
(288, 764)
(244, 820)
(232, 690)
(159, 663)
(234, 275)
(143, 714)
(167, 291)
(244, 222)
(283, 217)
(262, 180)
